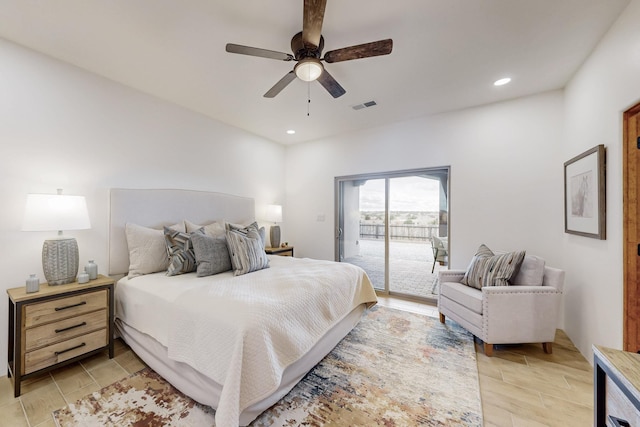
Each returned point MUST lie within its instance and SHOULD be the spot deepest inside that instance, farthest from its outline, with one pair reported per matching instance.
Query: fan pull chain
(308, 97)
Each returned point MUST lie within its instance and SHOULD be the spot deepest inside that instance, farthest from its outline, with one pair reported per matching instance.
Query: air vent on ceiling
(364, 105)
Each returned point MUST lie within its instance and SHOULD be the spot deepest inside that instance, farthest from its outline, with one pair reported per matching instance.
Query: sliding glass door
(386, 225)
(362, 229)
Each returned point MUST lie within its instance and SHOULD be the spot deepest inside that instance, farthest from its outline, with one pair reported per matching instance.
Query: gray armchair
(520, 313)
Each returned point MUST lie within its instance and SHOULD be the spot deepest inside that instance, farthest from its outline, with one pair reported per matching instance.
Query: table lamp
(274, 214)
(51, 212)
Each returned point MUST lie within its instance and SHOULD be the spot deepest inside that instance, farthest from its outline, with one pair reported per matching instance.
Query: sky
(410, 193)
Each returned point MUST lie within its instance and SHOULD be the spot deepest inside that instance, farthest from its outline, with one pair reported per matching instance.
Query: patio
(409, 266)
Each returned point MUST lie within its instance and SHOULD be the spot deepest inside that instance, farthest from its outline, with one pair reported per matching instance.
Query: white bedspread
(243, 331)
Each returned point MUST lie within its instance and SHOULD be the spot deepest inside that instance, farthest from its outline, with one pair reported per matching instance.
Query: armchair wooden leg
(488, 349)
(441, 317)
(546, 346)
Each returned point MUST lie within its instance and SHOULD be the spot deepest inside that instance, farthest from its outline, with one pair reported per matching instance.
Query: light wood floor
(520, 386)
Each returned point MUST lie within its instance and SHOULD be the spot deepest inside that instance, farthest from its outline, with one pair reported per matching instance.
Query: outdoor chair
(440, 248)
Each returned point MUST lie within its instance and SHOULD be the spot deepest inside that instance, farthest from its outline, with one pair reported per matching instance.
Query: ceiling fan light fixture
(308, 69)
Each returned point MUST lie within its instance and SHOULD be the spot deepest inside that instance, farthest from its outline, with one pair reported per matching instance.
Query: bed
(236, 343)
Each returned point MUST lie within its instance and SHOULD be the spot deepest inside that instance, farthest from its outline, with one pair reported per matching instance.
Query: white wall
(506, 177)
(606, 85)
(61, 127)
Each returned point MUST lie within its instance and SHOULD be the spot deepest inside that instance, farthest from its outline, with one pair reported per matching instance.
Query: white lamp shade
(50, 212)
(274, 213)
(308, 69)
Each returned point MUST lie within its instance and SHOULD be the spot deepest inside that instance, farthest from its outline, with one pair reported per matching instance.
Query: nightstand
(286, 251)
(58, 325)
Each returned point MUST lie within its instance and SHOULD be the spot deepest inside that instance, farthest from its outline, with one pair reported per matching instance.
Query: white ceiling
(446, 53)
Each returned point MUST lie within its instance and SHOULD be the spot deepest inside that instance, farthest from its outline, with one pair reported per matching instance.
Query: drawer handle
(618, 422)
(70, 306)
(70, 327)
(58, 353)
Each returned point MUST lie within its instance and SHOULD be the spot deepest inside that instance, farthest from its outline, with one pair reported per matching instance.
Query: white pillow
(147, 249)
(531, 271)
(215, 229)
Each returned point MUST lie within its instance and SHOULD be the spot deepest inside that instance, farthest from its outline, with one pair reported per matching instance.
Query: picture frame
(585, 194)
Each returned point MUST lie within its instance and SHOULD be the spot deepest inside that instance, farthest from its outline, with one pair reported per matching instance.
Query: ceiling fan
(307, 52)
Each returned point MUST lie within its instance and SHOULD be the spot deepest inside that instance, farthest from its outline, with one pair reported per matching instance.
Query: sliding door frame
(387, 176)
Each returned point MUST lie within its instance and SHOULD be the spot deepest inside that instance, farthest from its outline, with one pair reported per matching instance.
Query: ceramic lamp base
(274, 235)
(60, 260)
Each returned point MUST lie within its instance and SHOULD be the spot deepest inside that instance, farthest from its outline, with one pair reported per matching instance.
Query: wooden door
(631, 238)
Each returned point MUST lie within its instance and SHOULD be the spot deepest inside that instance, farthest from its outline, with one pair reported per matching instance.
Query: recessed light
(291, 131)
(502, 82)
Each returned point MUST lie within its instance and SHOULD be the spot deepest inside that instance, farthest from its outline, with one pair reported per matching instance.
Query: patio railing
(399, 232)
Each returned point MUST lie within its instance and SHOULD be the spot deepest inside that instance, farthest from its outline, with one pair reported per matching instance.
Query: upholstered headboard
(158, 207)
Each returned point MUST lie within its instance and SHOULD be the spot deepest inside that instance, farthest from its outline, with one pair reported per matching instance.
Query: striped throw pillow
(182, 258)
(244, 229)
(246, 251)
(488, 269)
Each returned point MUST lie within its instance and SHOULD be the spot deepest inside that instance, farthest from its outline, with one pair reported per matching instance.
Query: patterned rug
(394, 369)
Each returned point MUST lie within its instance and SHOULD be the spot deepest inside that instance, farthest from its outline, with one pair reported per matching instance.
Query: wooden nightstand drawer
(62, 308)
(64, 350)
(65, 329)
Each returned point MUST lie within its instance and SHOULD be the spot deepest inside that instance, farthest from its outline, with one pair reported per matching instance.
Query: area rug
(394, 369)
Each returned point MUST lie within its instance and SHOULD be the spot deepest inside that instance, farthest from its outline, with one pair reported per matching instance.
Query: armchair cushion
(488, 269)
(466, 296)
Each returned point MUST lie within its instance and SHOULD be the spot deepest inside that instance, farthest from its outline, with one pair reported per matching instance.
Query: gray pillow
(246, 251)
(212, 254)
(263, 235)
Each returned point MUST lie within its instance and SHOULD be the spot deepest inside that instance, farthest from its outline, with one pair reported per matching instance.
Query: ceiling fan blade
(381, 47)
(288, 78)
(313, 15)
(330, 84)
(256, 51)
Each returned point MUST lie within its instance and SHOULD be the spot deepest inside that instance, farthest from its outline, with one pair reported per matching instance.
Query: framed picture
(584, 194)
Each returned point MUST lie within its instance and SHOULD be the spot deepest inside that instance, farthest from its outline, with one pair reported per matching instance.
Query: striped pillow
(244, 229)
(246, 251)
(488, 269)
(182, 258)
